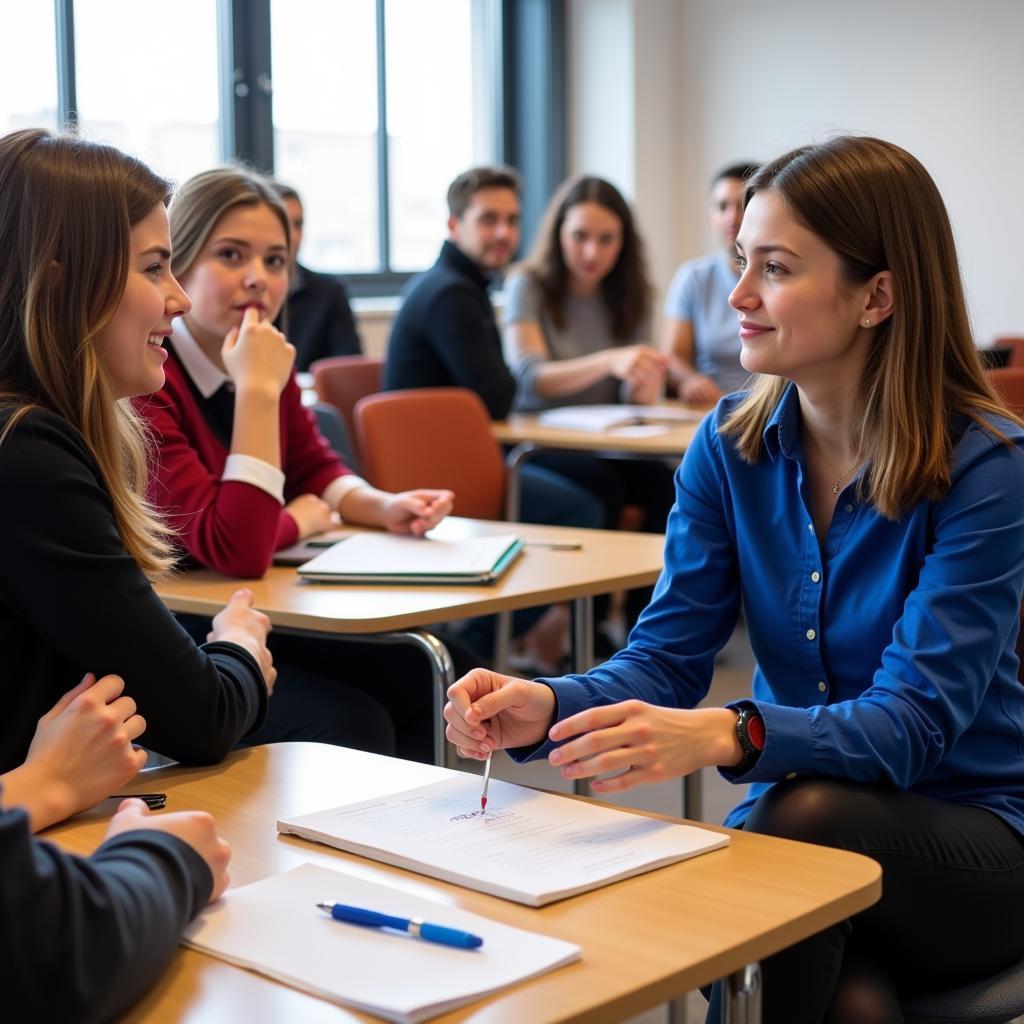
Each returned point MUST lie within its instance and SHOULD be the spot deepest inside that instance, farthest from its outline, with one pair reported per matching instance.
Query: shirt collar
(207, 378)
(782, 432)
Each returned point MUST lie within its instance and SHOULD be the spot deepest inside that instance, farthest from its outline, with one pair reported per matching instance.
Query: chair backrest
(1009, 382)
(433, 437)
(342, 380)
(1016, 345)
(336, 434)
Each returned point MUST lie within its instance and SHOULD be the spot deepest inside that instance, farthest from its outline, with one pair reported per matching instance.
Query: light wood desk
(607, 560)
(528, 437)
(645, 940)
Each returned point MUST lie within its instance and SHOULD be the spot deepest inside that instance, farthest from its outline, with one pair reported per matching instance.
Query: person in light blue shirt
(700, 331)
(862, 502)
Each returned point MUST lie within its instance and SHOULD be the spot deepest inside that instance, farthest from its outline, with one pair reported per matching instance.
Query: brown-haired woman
(577, 324)
(862, 502)
(243, 471)
(86, 297)
(86, 300)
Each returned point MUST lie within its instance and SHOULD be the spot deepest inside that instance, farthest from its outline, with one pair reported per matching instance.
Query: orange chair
(433, 437)
(1016, 345)
(342, 380)
(1009, 384)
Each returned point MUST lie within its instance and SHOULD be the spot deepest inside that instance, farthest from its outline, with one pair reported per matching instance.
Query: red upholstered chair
(342, 380)
(1009, 383)
(1016, 346)
(433, 437)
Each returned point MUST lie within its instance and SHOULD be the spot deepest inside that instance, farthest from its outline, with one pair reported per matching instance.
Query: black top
(320, 321)
(83, 939)
(445, 335)
(72, 601)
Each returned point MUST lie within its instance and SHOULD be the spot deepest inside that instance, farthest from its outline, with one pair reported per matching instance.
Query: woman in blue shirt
(863, 502)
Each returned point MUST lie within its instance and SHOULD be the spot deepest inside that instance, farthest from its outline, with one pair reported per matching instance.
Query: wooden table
(645, 940)
(607, 560)
(527, 437)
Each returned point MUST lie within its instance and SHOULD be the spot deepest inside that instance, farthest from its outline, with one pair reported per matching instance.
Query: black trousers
(951, 912)
(375, 697)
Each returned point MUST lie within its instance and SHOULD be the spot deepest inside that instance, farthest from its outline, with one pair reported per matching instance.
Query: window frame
(529, 51)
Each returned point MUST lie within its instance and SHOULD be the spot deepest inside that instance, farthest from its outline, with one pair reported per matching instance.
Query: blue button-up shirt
(885, 653)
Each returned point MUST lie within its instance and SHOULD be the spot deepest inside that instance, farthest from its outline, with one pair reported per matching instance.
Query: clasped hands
(642, 742)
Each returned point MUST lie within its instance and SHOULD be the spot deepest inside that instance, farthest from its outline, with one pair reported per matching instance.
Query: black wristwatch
(750, 733)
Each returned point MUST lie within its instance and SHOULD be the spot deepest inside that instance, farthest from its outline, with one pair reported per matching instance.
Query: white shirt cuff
(336, 490)
(248, 469)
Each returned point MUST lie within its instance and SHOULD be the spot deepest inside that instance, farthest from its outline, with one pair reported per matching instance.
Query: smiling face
(488, 230)
(799, 317)
(243, 263)
(591, 240)
(130, 345)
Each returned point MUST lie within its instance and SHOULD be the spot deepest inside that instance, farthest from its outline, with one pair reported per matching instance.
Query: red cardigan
(228, 525)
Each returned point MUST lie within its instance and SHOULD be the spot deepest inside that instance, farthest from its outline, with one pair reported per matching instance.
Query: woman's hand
(257, 356)
(197, 828)
(312, 515)
(239, 623)
(637, 364)
(488, 711)
(81, 753)
(697, 389)
(644, 742)
(415, 512)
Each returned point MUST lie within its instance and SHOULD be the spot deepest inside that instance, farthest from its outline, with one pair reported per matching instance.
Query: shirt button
(791, 775)
(821, 687)
(811, 634)
(815, 576)
(847, 509)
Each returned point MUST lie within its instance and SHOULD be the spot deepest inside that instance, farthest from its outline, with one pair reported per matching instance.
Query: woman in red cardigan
(243, 470)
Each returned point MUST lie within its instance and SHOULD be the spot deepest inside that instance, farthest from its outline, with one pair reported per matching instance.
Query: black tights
(952, 886)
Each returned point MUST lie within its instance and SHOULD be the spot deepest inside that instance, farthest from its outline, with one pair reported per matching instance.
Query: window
(368, 107)
(151, 87)
(28, 68)
(328, 98)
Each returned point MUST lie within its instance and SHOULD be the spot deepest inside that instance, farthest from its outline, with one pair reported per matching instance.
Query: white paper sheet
(275, 928)
(600, 418)
(530, 847)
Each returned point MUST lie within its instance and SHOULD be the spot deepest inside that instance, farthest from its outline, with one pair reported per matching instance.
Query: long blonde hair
(878, 209)
(67, 208)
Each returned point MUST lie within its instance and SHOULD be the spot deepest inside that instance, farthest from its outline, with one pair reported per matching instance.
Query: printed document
(274, 927)
(529, 847)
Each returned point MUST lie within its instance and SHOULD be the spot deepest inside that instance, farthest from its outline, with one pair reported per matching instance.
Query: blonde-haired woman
(86, 301)
(862, 502)
(243, 471)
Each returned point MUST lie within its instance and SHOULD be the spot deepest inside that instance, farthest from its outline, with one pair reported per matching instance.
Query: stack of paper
(275, 928)
(600, 418)
(529, 847)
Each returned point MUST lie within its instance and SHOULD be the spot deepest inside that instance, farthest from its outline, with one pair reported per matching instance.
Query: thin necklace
(842, 476)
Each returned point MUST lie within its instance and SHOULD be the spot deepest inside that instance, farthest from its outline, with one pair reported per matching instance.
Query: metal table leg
(582, 657)
(742, 1002)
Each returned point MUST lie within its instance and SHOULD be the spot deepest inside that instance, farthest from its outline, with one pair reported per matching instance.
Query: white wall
(697, 83)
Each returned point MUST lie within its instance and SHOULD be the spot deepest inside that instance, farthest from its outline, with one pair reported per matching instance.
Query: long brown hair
(626, 289)
(878, 209)
(67, 208)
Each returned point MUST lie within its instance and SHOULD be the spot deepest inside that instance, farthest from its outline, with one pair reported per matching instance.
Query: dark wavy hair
(626, 289)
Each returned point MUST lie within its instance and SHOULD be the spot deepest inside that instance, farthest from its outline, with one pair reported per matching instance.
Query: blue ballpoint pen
(414, 926)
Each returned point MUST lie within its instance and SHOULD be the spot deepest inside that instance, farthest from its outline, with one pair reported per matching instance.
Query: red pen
(487, 782)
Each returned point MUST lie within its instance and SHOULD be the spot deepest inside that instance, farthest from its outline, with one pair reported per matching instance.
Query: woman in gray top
(577, 316)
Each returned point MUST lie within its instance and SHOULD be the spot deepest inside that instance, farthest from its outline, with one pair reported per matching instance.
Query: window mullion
(383, 176)
(67, 95)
